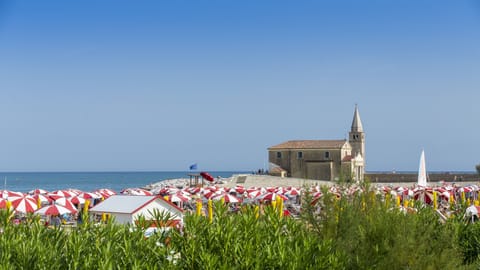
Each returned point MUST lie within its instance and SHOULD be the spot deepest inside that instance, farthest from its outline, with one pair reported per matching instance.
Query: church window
(279, 154)
(299, 155)
(327, 154)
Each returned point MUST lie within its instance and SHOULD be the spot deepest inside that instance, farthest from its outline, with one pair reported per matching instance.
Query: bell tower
(357, 136)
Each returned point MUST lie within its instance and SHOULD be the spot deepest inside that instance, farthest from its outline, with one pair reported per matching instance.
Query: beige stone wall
(283, 162)
(319, 170)
(313, 165)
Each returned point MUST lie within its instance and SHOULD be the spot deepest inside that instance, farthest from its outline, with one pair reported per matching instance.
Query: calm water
(88, 181)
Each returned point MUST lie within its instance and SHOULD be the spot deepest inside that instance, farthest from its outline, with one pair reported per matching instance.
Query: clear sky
(160, 85)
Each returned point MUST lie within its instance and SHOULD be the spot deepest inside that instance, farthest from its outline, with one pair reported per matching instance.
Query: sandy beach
(253, 180)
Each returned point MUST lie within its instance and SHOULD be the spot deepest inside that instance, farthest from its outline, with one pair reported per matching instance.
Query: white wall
(122, 218)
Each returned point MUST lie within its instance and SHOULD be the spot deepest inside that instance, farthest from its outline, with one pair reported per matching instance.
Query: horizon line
(151, 171)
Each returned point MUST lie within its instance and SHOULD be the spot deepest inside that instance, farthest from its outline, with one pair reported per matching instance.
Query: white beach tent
(127, 208)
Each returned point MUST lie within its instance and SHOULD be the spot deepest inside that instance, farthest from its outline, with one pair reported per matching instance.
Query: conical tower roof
(357, 123)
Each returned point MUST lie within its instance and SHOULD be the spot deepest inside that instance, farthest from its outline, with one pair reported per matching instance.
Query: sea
(90, 181)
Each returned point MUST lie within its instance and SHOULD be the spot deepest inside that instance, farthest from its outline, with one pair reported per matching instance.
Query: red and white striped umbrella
(424, 195)
(240, 189)
(43, 198)
(272, 189)
(24, 204)
(193, 190)
(105, 192)
(37, 191)
(8, 193)
(292, 192)
(209, 194)
(136, 191)
(78, 200)
(55, 209)
(253, 194)
(74, 191)
(316, 197)
(228, 198)
(168, 190)
(66, 202)
(178, 197)
(63, 193)
(89, 195)
(271, 196)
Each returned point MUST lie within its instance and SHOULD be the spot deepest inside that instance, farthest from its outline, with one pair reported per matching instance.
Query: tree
(478, 168)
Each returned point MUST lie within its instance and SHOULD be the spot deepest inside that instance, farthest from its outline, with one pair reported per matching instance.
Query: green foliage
(478, 168)
(469, 240)
(243, 241)
(108, 246)
(362, 231)
(371, 234)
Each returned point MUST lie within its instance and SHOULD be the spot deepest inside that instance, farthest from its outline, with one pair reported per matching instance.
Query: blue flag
(193, 166)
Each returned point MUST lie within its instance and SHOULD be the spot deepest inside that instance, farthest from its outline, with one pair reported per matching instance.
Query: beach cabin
(126, 209)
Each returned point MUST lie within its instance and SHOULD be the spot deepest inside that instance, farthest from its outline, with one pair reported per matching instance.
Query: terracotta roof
(347, 158)
(310, 144)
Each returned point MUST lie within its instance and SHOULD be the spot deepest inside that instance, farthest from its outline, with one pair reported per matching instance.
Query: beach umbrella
(253, 194)
(250, 189)
(240, 189)
(271, 189)
(444, 194)
(193, 190)
(424, 195)
(140, 191)
(89, 195)
(62, 193)
(168, 191)
(357, 190)
(270, 196)
(105, 192)
(55, 209)
(209, 194)
(212, 188)
(316, 197)
(207, 176)
(37, 191)
(66, 202)
(8, 193)
(178, 197)
(292, 192)
(136, 191)
(24, 204)
(74, 191)
(472, 210)
(78, 200)
(43, 198)
(228, 198)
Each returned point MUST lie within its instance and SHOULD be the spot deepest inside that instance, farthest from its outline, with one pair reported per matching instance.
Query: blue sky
(159, 85)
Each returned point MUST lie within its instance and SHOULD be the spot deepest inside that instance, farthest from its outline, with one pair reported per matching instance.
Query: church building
(322, 159)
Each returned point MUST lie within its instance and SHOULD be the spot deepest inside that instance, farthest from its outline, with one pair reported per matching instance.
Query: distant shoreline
(226, 171)
(415, 172)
